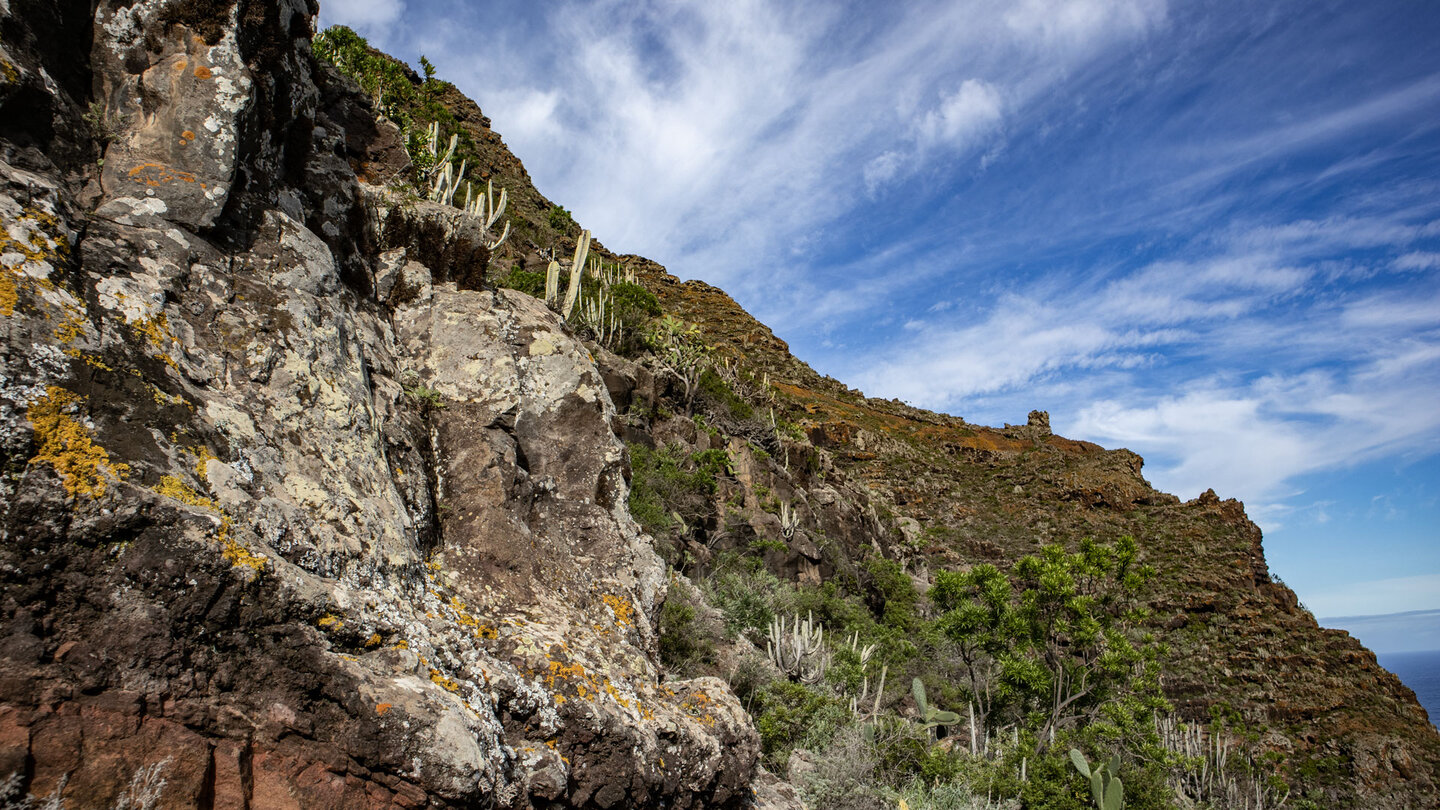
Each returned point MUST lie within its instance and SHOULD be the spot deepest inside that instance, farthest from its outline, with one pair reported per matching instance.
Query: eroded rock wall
(290, 519)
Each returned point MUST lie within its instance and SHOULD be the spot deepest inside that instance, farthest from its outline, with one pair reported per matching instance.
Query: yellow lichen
(89, 359)
(374, 640)
(172, 487)
(621, 607)
(202, 456)
(236, 554)
(67, 446)
(9, 294)
(448, 684)
(331, 622)
(156, 331)
(33, 238)
(70, 329)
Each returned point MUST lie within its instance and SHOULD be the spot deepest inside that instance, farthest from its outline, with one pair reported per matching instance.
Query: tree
(1054, 644)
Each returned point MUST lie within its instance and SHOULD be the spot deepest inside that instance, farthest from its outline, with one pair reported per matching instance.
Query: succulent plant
(930, 717)
(799, 650)
(1105, 786)
(552, 278)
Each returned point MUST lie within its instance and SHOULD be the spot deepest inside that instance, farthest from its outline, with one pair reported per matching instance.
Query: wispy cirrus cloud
(1206, 231)
(708, 136)
(1242, 372)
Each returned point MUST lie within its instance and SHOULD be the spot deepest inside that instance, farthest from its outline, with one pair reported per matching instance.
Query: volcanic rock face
(295, 512)
(289, 521)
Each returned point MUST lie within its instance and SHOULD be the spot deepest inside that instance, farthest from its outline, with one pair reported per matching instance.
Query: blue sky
(1209, 232)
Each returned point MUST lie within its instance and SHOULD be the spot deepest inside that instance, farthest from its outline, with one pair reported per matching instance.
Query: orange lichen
(374, 640)
(203, 72)
(622, 608)
(698, 705)
(381, 708)
(158, 174)
(66, 446)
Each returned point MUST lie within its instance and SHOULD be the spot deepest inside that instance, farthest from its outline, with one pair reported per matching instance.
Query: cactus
(485, 209)
(552, 279)
(439, 175)
(1105, 786)
(799, 651)
(930, 717)
(789, 520)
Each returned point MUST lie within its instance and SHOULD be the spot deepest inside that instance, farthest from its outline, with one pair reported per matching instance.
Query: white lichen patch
(137, 298)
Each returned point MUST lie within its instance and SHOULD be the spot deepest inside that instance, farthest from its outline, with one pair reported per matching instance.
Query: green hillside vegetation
(913, 608)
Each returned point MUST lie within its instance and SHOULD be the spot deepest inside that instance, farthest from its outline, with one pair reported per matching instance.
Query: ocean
(1420, 671)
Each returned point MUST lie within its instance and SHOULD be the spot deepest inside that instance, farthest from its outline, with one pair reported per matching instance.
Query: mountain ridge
(302, 510)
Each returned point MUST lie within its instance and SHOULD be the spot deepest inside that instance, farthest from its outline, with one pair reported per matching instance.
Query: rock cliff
(300, 510)
(291, 520)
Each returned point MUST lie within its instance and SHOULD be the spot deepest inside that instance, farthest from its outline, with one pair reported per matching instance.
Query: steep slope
(1238, 641)
(300, 511)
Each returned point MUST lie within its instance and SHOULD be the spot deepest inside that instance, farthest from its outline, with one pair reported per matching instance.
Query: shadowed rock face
(288, 521)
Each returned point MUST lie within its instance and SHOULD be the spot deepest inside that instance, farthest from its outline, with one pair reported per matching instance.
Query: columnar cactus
(789, 520)
(485, 209)
(552, 278)
(799, 651)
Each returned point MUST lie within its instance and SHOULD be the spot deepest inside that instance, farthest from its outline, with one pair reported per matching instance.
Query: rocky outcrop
(297, 511)
(291, 519)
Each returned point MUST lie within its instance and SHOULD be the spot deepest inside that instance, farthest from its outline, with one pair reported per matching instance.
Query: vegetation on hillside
(958, 664)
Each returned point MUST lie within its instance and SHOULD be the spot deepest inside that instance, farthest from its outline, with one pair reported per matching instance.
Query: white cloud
(363, 13)
(1307, 387)
(715, 137)
(1418, 261)
(1080, 23)
(963, 117)
(882, 170)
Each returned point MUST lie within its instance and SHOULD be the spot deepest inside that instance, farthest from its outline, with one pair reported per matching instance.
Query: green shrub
(791, 715)
(409, 106)
(720, 396)
(560, 219)
(745, 593)
(383, 79)
(667, 482)
(530, 283)
(633, 303)
(687, 642)
(893, 593)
